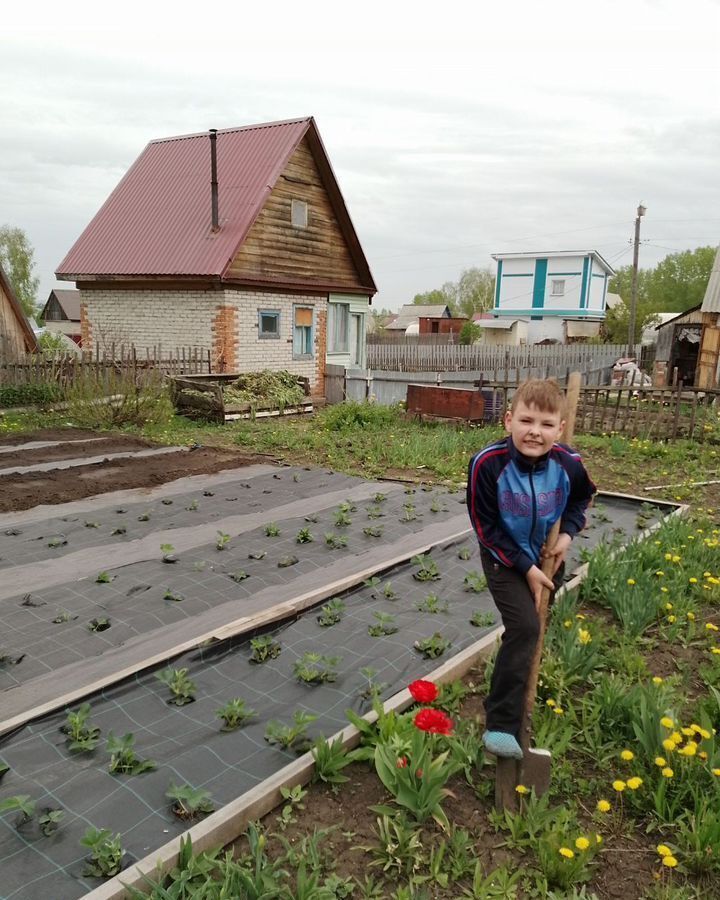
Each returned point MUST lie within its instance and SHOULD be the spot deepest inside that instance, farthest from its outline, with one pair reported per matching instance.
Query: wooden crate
(201, 397)
(428, 402)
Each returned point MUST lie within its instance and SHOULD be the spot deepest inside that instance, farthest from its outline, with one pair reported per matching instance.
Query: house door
(355, 340)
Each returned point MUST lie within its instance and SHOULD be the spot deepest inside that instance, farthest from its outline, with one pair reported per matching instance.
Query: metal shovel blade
(533, 772)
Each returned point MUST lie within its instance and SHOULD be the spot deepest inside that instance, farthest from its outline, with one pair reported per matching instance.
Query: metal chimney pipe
(213, 180)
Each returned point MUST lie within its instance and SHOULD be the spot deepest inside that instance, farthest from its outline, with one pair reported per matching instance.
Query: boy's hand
(559, 551)
(536, 582)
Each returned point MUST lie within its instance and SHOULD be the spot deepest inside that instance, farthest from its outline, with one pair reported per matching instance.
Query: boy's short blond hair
(545, 394)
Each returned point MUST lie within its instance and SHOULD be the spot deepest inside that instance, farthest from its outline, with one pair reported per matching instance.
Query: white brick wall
(171, 319)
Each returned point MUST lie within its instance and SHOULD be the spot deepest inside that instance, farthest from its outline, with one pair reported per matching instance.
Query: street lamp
(633, 292)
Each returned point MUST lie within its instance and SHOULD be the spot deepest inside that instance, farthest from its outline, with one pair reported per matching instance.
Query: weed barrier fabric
(187, 742)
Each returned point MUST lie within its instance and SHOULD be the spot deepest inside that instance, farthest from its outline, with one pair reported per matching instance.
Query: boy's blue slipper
(502, 744)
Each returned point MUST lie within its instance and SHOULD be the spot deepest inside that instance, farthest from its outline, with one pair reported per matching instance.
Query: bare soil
(63, 485)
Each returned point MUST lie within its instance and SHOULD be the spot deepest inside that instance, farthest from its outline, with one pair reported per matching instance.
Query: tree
(474, 292)
(436, 297)
(16, 259)
(469, 333)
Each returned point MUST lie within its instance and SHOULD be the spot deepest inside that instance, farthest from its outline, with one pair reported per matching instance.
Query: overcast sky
(455, 130)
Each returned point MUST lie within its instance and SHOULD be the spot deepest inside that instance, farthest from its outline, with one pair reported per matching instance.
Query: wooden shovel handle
(571, 401)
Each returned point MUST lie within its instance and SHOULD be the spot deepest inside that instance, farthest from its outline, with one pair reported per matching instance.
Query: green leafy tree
(444, 296)
(473, 292)
(16, 259)
(469, 333)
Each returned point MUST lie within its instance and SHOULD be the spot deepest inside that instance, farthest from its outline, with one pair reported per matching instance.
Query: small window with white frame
(338, 326)
(557, 288)
(268, 323)
(299, 213)
(302, 332)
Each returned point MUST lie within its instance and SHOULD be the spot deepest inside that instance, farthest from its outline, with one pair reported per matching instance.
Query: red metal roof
(157, 220)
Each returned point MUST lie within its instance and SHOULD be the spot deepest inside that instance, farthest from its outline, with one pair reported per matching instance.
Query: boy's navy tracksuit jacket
(514, 501)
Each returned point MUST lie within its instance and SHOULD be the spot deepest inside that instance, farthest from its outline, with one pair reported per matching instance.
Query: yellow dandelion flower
(634, 783)
(668, 556)
(688, 732)
(627, 755)
(559, 711)
(715, 650)
(692, 580)
(664, 590)
(567, 623)
(550, 702)
(582, 843)
(659, 573)
(669, 861)
(702, 754)
(676, 737)
(671, 619)
(566, 852)
(580, 616)
(663, 850)
(660, 761)
(704, 734)
(631, 581)
(603, 806)
(676, 558)
(689, 749)
(707, 574)
(598, 838)
(521, 789)
(691, 616)
(667, 772)
(668, 606)
(657, 679)
(667, 722)
(710, 626)
(584, 636)
(618, 786)
(716, 772)
(668, 745)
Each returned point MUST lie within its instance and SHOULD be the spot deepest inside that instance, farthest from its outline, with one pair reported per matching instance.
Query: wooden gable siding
(13, 341)
(275, 251)
(53, 312)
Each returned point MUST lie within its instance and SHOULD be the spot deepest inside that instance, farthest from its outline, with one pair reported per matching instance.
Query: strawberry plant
(104, 578)
(238, 576)
(384, 624)
(464, 553)
(81, 735)
(106, 853)
(123, 759)
(4, 768)
(117, 531)
(374, 531)
(234, 714)
(171, 595)
(192, 506)
(285, 561)
(260, 554)
(291, 737)
(389, 592)
(342, 519)
(50, 820)
(20, 803)
(314, 668)
(55, 542)
(432, 604)
(331, 613)
(475, 582)
(166, 501)
(167, 551)
(336, 541)
(271, 530)
(379, 498)
(181, 687)
(222, 540)
(144, 517)
(374, 512)
(427, 571)
(264, 648)
(63, 616)
(409, 514)
(189, 802)
(482, 619)
(314, 518)
(92, 524)
(304, 536)
(98, 624)
(433, 646)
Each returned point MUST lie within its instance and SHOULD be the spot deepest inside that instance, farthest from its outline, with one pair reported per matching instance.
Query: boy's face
(533, 431)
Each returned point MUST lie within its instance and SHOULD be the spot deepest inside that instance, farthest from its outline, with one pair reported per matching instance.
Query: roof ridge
(257, 127)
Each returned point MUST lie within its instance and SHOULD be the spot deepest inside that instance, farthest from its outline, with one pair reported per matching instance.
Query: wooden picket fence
(65, 370)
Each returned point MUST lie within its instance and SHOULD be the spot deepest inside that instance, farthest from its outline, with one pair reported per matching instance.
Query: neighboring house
(678, 348)
(502, 331)
(561, 293)
(238, 242)
(16, 336)
(708, 375)
(409, 317)
(61, 314)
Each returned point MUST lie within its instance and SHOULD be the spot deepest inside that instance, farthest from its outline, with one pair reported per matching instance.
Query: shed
(16, 335)
(709, 361)
(61, 313)
(410, 314)
(678, 347)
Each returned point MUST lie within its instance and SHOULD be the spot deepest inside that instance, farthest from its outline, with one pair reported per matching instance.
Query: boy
(517, 488)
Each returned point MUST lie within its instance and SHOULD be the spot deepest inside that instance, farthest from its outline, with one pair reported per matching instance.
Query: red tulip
(434, 721)
(423, 691)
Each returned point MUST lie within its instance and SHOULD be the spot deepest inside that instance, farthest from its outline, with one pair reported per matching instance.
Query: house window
(558, 287)
(299, 214)
(269, 323)
(338, 324)
(303, 331)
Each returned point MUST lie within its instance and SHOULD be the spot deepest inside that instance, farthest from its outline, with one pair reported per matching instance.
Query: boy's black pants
(511, 593)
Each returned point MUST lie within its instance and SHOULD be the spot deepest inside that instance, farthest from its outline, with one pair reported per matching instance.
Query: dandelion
(550, 702)
(521, 789)
(634, 783)
(603, 806)
(671, 619)
(669, 861)
(627, 755)
(688, 732)
(676, 558)
(667, 722)
(618, 786)
(598, 838)
(710, 626)
(663, 850)
(664, 590)
(703, 732)
(659, 573)
(691, 616)
(676, 737)
(584, 636)
(631, 581)
(715, 650)
(667, 772)
(657, 679)
(716, 772)
(668, 606)
(692, 580)
(669, 745)
(580, 616)
(567, 623)
(703, 755)
(566, 852)
(660, 761)
(582, 843)
(559, 711)
(689, 749)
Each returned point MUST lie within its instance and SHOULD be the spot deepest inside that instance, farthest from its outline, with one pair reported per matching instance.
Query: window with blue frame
(268, 323)
(303, 331)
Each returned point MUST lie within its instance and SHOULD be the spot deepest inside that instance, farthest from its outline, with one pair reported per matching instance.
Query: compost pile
(266, 388)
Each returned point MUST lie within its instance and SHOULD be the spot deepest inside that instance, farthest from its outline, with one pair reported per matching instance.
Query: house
(409, 317)
(562, 293)
(61, 313)
(237, 241)
(678, 348)
(708, 374)
(501, 331)
(16, 336)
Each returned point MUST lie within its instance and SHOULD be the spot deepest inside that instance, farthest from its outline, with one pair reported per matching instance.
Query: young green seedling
(336, 541)
(234, 714)
(222, 540)
(271, 530)
(189, 802)
(181, 686)
(433, 646)
(432, 604)
(168, 551)
(314, 668)
(291, 737)
(50, 820)
(106, 853)
(81, 735)
(123, 759)
(384, 624)
(304, 536)
(264, 648)
(331, 613)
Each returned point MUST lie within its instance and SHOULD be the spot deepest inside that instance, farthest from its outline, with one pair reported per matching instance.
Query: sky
(455, 130)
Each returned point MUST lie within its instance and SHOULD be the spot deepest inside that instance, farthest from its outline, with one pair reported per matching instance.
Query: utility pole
(633, 293)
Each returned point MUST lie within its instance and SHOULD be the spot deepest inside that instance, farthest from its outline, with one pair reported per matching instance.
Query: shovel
(533, 770)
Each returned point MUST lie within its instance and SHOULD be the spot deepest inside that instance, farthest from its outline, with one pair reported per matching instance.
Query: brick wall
(224, 322)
